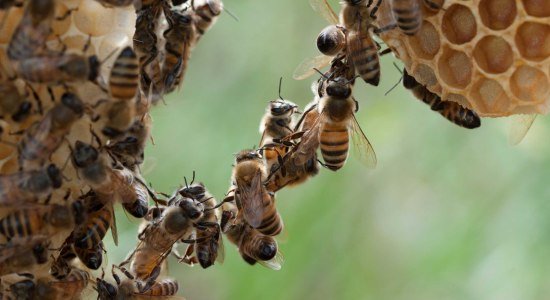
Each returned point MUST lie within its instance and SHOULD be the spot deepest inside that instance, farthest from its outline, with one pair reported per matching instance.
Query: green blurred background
(447, 214)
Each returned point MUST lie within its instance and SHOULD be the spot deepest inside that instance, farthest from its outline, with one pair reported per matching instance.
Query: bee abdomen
(408, 15)
(272, 223)
(366, 62)
(165, 287)
(334, 144)
(125, 75)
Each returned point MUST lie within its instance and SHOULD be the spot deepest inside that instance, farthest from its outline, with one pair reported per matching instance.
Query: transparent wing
(114, 231)
(306, 68)
(519, 126)
(221, 249)
(276, 263)
(309, 143)
(252, 200)
(362, 147)
(322, 7)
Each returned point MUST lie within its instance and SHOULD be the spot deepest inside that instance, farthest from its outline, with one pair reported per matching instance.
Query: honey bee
(41, 220)
(156, 241)
(129, 151)
(254, 201)
(27, 186)
(205, 15)
(120, 117)
(93, 230)
(60, 267)
(13, 104)
(57, 69)
(450, 110)
(145, 38)
(131, 289)
(353, 27)
(35, 288)
(408, 15)
(72, 286)
(301, 163)
(255, 247)
(124, 78)
(33, 30)
(22, 254)
(92, 257)
(179, 37)
(44, 137)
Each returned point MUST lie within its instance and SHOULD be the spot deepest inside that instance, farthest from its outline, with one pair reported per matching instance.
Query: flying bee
(352, 27)
(145, 38)
(124, 78)
(254, 201)
(56, 69)
(41, 220)
(73, 285)
(408, 15)
(205, 15)
(157, 240)
(179, 38)
(26, 186)
(33, 30)
(44, 137)
(13, 104)
(129, 151)
(22, 254)
(450, 110)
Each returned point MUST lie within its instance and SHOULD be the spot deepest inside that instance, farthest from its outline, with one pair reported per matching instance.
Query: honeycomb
(492, 56)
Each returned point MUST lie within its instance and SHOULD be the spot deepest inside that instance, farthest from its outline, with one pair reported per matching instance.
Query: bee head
(247, 154)
(84, 154)
(338, 88)
(55, 176)
(93, 259)
(74, 103)
(79, 212)
(105, 290)
(281, 107)
(215, 7)
(195, 191)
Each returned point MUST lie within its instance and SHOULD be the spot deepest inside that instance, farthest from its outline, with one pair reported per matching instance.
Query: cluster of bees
(349, 40)
(76, 156)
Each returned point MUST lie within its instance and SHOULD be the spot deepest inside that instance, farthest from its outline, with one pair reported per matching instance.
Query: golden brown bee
(93, 230)
(256, 204)
(408, 15)
(450, 110)
(72, 286)
(205, 15)
(23, 254)
(58, 69)
(130, 289)
(92, 257)
(179, 38)
(44, 137)
(26, 186)
(33, 30)
(35, 289)
(254, 246)
(331, 40)
(129, 151)
(41, 220)
(275, 125)
(60, 267)
(120, 117)
(156, 241)
(145, 38)
(13, 104)
(124, 78)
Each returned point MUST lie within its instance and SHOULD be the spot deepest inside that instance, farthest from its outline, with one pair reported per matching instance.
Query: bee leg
(375, 9)
(66, 14)
(378, 31)
(123, 270)
(36, 98)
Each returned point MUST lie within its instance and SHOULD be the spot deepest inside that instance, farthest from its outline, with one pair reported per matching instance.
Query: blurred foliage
(448, 213)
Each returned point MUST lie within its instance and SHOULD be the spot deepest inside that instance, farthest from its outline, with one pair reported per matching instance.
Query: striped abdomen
(178, 38)
(58, 68)
(166, 287)
(22, 223)
(92, 232)
(124, 78)
(408, 15)
(452, 111)
(364, 54)
(334, 144)
(272, 224)
(206, 14)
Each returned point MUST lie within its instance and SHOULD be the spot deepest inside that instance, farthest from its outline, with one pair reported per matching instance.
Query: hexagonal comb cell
(459, 24)
(530, 84)
(498, 14)
(493, 54)
(425, 75)
(426, 42)
(489, 96)
(533, 40)
(537, 8)
(455, 68)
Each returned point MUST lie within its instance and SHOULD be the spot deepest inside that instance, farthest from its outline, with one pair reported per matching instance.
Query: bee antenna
(185, 180)
(108, 56)
(324, 76)
(398, 68)
(193, 180)
(231, 14)
(280, 84)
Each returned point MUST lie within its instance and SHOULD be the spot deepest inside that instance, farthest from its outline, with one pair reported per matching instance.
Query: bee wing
(309, 142)
(323, 8)
(519, 126)
(363, 148)
(252, 200)
(221, 249)
(114, 231)
(276, 263)
(306, 68)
